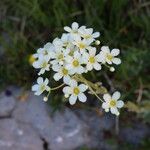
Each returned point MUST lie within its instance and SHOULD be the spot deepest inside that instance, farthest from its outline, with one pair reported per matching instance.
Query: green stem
(57, 87)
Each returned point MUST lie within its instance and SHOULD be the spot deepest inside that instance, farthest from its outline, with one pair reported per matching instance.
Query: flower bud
(112, 69)
(97, 42)
(45, 99)
(66, 95)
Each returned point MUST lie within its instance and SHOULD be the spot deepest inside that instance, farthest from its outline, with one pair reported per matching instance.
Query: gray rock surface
(96, 127)
(18, 136)
(134, 134)
(28, 124)
(7, 104)
(63, 130)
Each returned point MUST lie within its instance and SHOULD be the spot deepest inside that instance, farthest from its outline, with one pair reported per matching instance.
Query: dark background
(26, 25)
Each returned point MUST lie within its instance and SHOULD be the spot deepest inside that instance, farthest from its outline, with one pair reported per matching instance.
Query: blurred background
(26, 25)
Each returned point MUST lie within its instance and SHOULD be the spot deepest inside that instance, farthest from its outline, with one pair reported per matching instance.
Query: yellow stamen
(31, 59)
(64, 71)
(109, 57)
(76, 90)
(44, 64)
(112, 103)
(92, 60)
(81, 45)
(60, 57)
(42, 88)
(75, 63)
(87, 36)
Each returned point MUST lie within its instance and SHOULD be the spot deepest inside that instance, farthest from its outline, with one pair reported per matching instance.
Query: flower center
(81, 45)
(109, 57)
(64, 71)
(44, 64)
(87, 36)
(92, 60)
(112, 103)
(76, 90)
(45, 52)
(42, 88)
(75, 31)
(60, 56)
(71, 52)
(75, 63)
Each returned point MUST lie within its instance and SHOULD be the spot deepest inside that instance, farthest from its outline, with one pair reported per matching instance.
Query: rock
(96, 126)
(134, 134)
(18, 136)
(7, 104)
(33, 111)
(62, 131)
(67, 131)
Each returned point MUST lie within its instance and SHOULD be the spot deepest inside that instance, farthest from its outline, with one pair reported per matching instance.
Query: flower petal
(35, 87)
(116, 95)
(40, 80)
(82, 97)
(116, 61)
(105, 49)
(115, 52)
(105, 105)
(97, 66)
(89, 66)
(57, 76)
(114, 110)
(120, 104)
(73, 83)
(83, 87)
(72, 99)
(74, 25)
(67, 80)
(106, 97)
(68, 29)
(67, 90)
(46, 81)
(96, 34)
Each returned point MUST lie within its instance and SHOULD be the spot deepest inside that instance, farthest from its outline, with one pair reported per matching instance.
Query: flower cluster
(71, 56)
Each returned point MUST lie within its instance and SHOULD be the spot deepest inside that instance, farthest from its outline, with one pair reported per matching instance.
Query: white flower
(74, 63)
(112, 103)
(108, 56)
(75, 91)
(47, 50)
(88, 33)
(62, 72)
(41, 86)
(59, 56)
(92, 60)
(58, 44)
(82, 44)
(42, 63)
(66, 40)
(73, 30)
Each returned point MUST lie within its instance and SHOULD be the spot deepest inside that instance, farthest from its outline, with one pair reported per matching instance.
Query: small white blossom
(73, 30)
(42, 63)
(82, 44)
(59, 56)
(92, 60)
(41, 86)
(109, 56)
(62, 72)
(47, 51)
(76, 92)
(88, 34)
(112, 103)
(74, 63)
